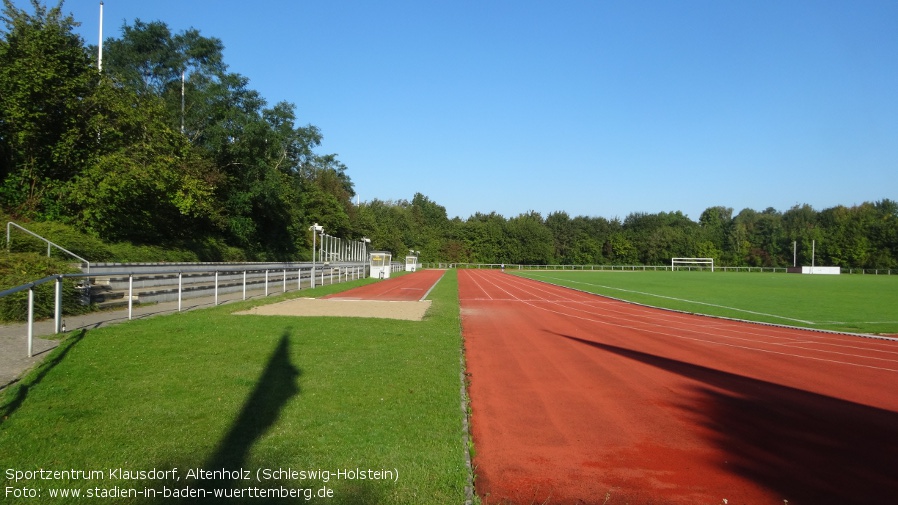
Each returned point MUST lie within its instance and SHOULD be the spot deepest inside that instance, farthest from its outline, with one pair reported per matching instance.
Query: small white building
(380, 264)
(411, 263)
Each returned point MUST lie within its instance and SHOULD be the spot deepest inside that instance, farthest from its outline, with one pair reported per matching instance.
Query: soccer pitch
(848, 303)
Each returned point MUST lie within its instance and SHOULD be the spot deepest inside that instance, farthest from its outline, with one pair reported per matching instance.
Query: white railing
(341, 273)
(9, 226)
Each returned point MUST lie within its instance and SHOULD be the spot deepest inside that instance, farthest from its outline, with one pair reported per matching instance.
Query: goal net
(691, 263)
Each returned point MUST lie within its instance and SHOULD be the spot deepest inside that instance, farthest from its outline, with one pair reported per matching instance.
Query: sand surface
(411, 311)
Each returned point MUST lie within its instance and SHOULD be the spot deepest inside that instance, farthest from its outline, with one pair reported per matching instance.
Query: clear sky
(596, 108)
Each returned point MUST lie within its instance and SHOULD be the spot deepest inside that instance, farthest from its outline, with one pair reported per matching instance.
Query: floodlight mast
(100, 49)
(315, 228)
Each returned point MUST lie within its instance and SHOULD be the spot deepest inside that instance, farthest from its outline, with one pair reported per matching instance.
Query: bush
(211, 249)
(17, 269)
(125, 252)
(87, 246)
(94, 250)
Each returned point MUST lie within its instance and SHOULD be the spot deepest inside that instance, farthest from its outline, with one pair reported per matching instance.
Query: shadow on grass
(276, 387)
(13, 397)
(808, 447)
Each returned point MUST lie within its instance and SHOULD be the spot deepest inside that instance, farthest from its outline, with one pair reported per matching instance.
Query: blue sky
(596, 108)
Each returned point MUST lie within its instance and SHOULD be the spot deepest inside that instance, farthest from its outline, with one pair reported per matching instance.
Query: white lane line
(702, 340)
(685, 300)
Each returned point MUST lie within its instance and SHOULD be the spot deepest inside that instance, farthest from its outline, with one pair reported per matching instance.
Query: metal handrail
(70, 253)
(358, 268)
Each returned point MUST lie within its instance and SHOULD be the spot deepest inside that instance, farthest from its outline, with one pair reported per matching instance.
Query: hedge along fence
(22, 269)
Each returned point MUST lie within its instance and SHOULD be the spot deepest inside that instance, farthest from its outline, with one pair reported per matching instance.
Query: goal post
(701, 263)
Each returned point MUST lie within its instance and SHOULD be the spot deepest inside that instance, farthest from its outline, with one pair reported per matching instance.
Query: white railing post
(180, 276)
(216, 288)
(57, 311)
(130, 294)
(244, 284)
(266, 282)
(31, 321)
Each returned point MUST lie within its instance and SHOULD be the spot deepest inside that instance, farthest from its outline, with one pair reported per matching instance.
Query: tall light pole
(315, 228)
(100, 49)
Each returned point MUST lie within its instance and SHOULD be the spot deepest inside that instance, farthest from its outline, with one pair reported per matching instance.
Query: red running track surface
(408, 287)
(577, 398)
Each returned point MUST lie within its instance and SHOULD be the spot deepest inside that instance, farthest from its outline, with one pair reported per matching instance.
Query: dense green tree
(271, 184)
(45, 76)
(589, 235)
(530, 242)
(621, 251)
(390, 225)
(715, 223)
(144, 183)
(800, 226)
(562, 229)
(431, 227)
(455, 249)
(660, 237)
(884, 235)
(487, 237)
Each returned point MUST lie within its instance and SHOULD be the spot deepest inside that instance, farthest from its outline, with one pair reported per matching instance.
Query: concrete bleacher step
(109, 292)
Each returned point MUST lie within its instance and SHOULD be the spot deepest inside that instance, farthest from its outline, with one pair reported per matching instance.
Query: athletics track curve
(576, 398)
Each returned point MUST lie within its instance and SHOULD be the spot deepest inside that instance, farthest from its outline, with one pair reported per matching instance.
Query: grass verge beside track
(210, 390)
(851, 303)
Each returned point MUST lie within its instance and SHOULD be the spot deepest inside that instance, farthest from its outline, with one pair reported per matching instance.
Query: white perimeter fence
(633, 268)
(295, 274)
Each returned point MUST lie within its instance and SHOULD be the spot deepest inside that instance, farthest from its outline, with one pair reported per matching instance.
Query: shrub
(87, 246)
(17, 269)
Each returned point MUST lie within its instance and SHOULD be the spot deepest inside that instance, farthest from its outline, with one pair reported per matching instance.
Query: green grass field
(210, 390)
(852, 303)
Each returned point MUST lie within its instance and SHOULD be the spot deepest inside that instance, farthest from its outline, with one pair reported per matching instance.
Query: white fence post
(130, 295)
(31, 321)
(57, 311)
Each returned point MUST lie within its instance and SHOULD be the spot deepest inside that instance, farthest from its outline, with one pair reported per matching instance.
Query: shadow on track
(808, 447)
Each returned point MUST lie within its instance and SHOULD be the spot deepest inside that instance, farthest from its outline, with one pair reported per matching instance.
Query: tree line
(861, 236)
(166, 147)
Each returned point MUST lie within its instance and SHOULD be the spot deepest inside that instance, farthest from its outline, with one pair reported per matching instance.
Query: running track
(408, 287)
(577, 398)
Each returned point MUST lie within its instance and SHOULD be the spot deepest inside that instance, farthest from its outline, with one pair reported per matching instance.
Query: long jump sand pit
(407, 310)
(401, 297)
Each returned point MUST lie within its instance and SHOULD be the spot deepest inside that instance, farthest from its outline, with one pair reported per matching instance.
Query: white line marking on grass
(431, 287)
(689, 301)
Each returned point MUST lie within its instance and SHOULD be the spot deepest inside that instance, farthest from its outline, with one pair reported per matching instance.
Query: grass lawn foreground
(304, 403)
(848, 303)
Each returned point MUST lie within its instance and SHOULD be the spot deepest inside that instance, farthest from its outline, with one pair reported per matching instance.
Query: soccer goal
(698, 263)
